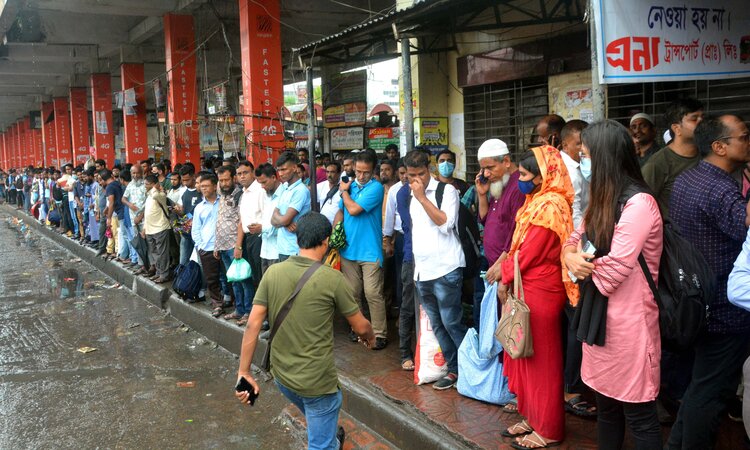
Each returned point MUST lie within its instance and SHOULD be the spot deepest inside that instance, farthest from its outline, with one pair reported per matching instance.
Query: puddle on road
(65, 283)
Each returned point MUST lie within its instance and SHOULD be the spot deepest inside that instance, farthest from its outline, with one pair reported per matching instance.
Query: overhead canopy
(429, 21)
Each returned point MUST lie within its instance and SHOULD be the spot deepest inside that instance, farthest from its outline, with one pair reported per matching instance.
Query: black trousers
(211, 267)
(12, 196)
(641, 418)
(573, 354)
(251, 252)
(716, 374)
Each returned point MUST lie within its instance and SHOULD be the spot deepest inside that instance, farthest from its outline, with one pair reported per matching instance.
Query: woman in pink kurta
(624, 371)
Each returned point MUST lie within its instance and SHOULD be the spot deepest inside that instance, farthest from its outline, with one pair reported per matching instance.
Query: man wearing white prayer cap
(643, 131)
(498, 201)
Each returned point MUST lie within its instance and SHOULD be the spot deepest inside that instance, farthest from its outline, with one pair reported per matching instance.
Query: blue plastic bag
(489, 346)
(479, 361)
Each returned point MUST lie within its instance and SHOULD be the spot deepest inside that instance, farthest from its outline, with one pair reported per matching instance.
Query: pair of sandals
(524, 437)
(407, 365)
(241, 321)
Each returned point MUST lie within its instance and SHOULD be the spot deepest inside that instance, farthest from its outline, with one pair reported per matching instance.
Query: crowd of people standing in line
(543, 209)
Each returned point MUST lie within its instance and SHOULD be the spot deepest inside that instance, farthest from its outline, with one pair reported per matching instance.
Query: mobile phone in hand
(483, 179)
(244, 386)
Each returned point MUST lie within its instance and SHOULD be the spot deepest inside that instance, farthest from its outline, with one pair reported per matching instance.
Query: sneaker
(341, 436)
(380, 343)
(446, 382)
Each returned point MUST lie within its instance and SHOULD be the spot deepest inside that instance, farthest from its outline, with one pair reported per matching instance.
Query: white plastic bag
(430, 364)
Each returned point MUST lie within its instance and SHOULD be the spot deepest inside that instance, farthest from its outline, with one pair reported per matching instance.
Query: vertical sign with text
(262, 91)
(134, 113)
(79, 125)
(23, 155)
(49, 150)
(12, 146)
(101, 112)
(62, 131)
(30, 144)
(179, 36)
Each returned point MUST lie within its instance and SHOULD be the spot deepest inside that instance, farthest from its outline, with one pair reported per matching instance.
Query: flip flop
(511, 407)
(580, 407)
(525, 429)
(407, 365)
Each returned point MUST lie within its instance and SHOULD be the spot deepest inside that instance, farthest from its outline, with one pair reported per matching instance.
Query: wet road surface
(125, 394)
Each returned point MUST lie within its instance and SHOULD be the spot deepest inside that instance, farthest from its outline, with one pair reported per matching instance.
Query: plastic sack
(430, 364)
(239, 270)
(489, 346)
(479, 357)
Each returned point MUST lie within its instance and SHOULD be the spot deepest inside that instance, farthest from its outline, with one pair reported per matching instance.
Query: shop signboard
(431, 133)
(347, 138)
(379, 138)
(646, 41)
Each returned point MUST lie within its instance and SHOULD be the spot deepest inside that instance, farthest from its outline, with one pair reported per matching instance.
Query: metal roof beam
(35, 52)
(109, 7)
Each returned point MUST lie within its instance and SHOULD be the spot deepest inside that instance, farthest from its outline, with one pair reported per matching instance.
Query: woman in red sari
(543, 225)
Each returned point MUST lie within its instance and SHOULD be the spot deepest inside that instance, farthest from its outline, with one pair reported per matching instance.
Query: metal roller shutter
(507, 111)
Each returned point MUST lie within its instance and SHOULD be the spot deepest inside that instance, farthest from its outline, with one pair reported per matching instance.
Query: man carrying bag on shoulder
(301, 353)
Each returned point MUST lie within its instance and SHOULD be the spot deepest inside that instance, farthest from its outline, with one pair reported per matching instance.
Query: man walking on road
(302, 353)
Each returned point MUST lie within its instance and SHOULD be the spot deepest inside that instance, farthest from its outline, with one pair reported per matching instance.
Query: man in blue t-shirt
(361, 209)
(294, 202)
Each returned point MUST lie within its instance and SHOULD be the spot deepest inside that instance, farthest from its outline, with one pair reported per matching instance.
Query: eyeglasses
(744, 138)
(582, 155)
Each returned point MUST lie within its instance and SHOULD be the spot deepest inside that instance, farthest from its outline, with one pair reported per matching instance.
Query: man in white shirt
(438, 258)
(570, 150)
(328, 191)
(252, 204)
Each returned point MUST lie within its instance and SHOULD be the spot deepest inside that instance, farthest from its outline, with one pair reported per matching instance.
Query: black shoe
(353, 336)
(380, 343)
(446, 382)
(341, 436)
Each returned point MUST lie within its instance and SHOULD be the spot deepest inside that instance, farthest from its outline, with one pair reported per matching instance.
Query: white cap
(643, 116)
(491, 148)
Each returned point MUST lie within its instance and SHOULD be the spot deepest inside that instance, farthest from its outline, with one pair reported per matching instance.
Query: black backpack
(468, 234)
(686, 284)
(57, 193)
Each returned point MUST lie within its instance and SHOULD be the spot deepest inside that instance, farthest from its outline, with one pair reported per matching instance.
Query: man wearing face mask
(361, 261)
(446, 160)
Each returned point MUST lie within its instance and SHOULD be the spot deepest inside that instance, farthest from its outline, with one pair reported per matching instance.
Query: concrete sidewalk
(377, 393)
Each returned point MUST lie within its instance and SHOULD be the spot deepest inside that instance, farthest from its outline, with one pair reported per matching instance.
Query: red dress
(538, 381)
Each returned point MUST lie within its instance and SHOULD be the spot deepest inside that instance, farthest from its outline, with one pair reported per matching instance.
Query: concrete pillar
(79, 125)
(262, 90)
(49, 149)
(101, 113)
(62, 131)
(134, 117)
(179, 37)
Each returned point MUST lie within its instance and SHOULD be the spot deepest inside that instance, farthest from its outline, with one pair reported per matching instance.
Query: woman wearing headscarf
(543, 225)
(622, 344)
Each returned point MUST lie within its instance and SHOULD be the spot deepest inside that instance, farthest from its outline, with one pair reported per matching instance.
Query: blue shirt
(738, 287)
(364, 231)
(297, 197)
(708, 209)
(403, 199)
(204, 224)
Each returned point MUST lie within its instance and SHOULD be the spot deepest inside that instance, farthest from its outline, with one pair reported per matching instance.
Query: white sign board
(652, 40)
(347, 138)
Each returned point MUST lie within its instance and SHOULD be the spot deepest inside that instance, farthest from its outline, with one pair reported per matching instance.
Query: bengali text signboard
(647, 40)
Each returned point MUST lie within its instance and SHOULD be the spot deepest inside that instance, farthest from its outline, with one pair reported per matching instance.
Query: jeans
(641, 418)
(478, 293)
(322, 416)
(244, 291)
(186, 248)
(27, 200)
(441, 300)
(716, 374)
(126, 234)
(72, 207)
(407, 314)
(573, 354)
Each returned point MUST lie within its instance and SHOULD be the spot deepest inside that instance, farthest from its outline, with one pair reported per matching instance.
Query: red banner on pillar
(79, 125)
(3, 155)
(101, 95)
(29, 137)
(260, 40)
(49, 150)
(184, 140)
(12, 146)
(38, 158)
(62, 131)
(134, 113)
(23, 151)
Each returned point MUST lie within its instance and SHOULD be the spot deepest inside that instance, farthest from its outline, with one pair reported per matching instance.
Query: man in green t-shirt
(680, 155)
(302, 350)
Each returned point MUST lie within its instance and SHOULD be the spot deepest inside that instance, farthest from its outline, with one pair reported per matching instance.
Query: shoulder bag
(514, 329)
(266, 361)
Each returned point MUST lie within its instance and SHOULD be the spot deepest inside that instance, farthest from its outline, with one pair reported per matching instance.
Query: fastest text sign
(647, 40)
